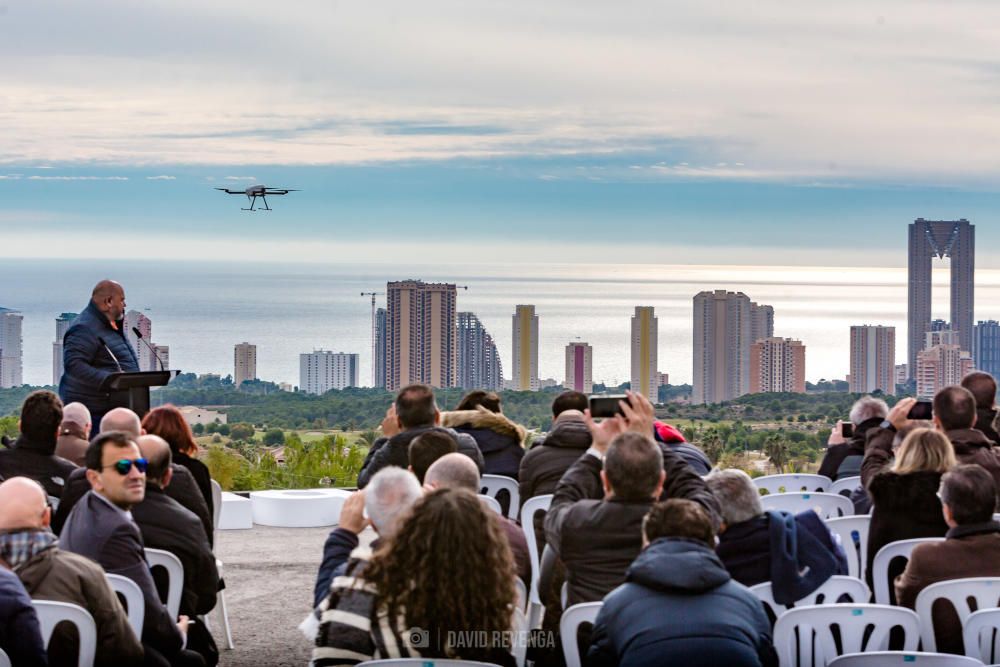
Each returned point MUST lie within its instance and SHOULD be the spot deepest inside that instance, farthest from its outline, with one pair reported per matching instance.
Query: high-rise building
(662, 379)
(761, 321)
(645, 341)
(380, 350)
(986, 347)
(940, 366)
(873, 359)
(525, 339)
(421, 328)
(902, 373)
(62, 324)
(955, 239)
(137, 320)
(479, 364)
(11, 367)
(244, 363)
(777, 365)
(163, 354)
(579, 368)
(322, 370)
(721, 346)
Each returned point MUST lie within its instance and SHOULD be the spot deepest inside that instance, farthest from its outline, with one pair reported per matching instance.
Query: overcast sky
(652, 131)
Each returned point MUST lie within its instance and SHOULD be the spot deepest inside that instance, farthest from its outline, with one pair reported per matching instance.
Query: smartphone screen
(847, 429)
(606, 406)
(921, 410)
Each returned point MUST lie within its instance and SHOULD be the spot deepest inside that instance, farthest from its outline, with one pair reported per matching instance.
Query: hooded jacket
(36, 460)
(986, 419)
(712, 619)
(674, 439)
(499, 439)
(395, 451)
(972, 446)
(549, 458)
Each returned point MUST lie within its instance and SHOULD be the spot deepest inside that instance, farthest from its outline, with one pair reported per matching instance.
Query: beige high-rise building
(761, 321)
(579, 368)
(940, 366)
(645, 341)
(421, 321)
(244, 363)
(777, 365)
(525, 344)
(722, 330)
(873, 359)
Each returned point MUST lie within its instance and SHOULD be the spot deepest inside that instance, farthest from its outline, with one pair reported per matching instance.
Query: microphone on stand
(110, 353)
(138, 334)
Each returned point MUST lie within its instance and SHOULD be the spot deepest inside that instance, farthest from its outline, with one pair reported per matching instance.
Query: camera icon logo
(418, 638)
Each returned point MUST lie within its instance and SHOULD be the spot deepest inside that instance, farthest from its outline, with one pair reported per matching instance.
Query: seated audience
(20, 634)
(33, 454)
(413, 413)
(844, 459)
(72, 443)
(49, 573)
(101, 528)
(797, 554)
(446, 570)
(427, 448)
(388, 497)
(968, 497)
(678, 604)
(904, 490)
(454, 471)
(168, 423)
(955, 414)
(984, 388)
(501, 441)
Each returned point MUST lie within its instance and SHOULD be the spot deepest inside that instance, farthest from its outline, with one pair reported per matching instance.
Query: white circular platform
(293, 508)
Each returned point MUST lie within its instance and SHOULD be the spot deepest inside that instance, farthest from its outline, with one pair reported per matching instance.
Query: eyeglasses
(123, 466)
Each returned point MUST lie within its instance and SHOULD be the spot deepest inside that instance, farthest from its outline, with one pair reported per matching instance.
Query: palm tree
(776, 448)
(367, 437)
(711, 444)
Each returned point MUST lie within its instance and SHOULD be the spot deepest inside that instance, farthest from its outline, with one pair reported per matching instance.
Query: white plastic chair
(135, 604)
(827, 505)
(885, 555)
(520, 647)
(853, 534)
(522, 593)
(424, 662)
(4, 660)
(492, 503)
(852, 619)
(985, 591)
(571, 620)
(793, 483)
(888, 658)
(492, 485)
(845, 485)
(981, 635)
(51, 614)
(221, 605)
(175, 576)
(831, 591)
(531, 507)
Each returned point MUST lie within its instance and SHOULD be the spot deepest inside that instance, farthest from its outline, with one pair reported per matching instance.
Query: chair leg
(225, 621)
(535, 615)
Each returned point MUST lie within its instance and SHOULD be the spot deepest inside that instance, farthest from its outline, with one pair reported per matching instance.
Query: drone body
(255, 191)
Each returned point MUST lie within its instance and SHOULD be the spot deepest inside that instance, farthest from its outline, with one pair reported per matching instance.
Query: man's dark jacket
(166, 525)
(86, 364)
(395, 451)
(679, 606)
(498, 438)
(36, 460)
(986, 420)
(182, 489)
(597, 539)
(845, 460)
(20, 635)
(972, 446)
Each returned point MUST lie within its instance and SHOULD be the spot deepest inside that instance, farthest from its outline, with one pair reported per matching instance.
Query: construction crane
(373, 295)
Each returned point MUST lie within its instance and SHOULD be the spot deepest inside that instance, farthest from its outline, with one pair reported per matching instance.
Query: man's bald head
(23, 504)
(453, 471)
(569, 416)
(124, 420)
(76, 413)
(109, 298)
(105, 289)
(156, 451)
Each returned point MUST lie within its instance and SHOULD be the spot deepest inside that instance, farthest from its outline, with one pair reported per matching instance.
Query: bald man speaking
(94, 347)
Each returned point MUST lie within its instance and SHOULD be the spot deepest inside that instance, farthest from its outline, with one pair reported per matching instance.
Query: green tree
(241, 431)
(368, 437)
(274, 436)
(223, 429)
(8, 426)
(776, 450)
(711, 444)
(199, 429)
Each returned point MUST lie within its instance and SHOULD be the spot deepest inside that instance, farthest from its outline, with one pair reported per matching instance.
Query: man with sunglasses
(101, 528)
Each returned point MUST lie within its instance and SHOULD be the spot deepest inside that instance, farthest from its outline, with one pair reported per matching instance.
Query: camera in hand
(847, 429)
(606, 406)
(921, 410)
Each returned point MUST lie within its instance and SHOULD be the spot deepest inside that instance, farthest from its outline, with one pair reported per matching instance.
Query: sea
(202, 309)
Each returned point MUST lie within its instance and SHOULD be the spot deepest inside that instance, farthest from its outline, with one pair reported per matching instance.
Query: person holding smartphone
(847, 439)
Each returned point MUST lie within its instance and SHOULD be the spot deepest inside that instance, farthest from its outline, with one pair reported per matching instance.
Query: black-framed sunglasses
(122, 466)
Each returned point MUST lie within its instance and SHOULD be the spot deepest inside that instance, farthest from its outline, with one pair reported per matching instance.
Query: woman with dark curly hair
(168, 423)
(442, 586)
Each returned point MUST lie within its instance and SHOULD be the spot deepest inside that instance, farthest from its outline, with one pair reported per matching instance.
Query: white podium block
(236, 512)
(293, 508)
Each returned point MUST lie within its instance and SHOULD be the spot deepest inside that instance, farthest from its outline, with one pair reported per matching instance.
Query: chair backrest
(424, 662)
(216, 504)
(984, 590)
(889, 658)
(520, 639)
(175, 576)
(531, 507)
(979, 644)
(885, 555)
(492, 485)
(792, 483)
(853, 533)
(831, 591)
(853, 621)
(4, 660)
(492, 503)
(845, 486)
(135, 605)
(522, 593)
(827, 505)
(51, 614)
(571, 620)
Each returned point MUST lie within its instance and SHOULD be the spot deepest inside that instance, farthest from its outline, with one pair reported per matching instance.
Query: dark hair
(158, 464)
(168, 423)
(955, 407)
(477, 397)
(569, 400)
(95, 451)
(633, 465)
(415, 406)
(679, 518)
(41, 416)
(970, 493)
(983, 387)
(428, 447)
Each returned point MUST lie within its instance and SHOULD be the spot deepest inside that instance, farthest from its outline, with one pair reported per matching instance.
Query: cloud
(77, 178)
(162, 177)
(240, 178)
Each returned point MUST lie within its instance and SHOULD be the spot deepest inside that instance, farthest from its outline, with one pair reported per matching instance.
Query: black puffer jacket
(986, 422)
(845, 460)
(38, 461)
(499, 439)
(395, 451)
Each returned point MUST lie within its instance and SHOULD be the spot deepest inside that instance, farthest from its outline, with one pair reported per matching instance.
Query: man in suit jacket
(101, 528)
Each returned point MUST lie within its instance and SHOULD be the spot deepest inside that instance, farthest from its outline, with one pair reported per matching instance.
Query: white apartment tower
(525, 340)
(722, 331)
(873, 359)
(322, 370)
(10, 348)
(644, 375)
(63, 323)
(244, 363)
(134, 318)
(579, 368)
